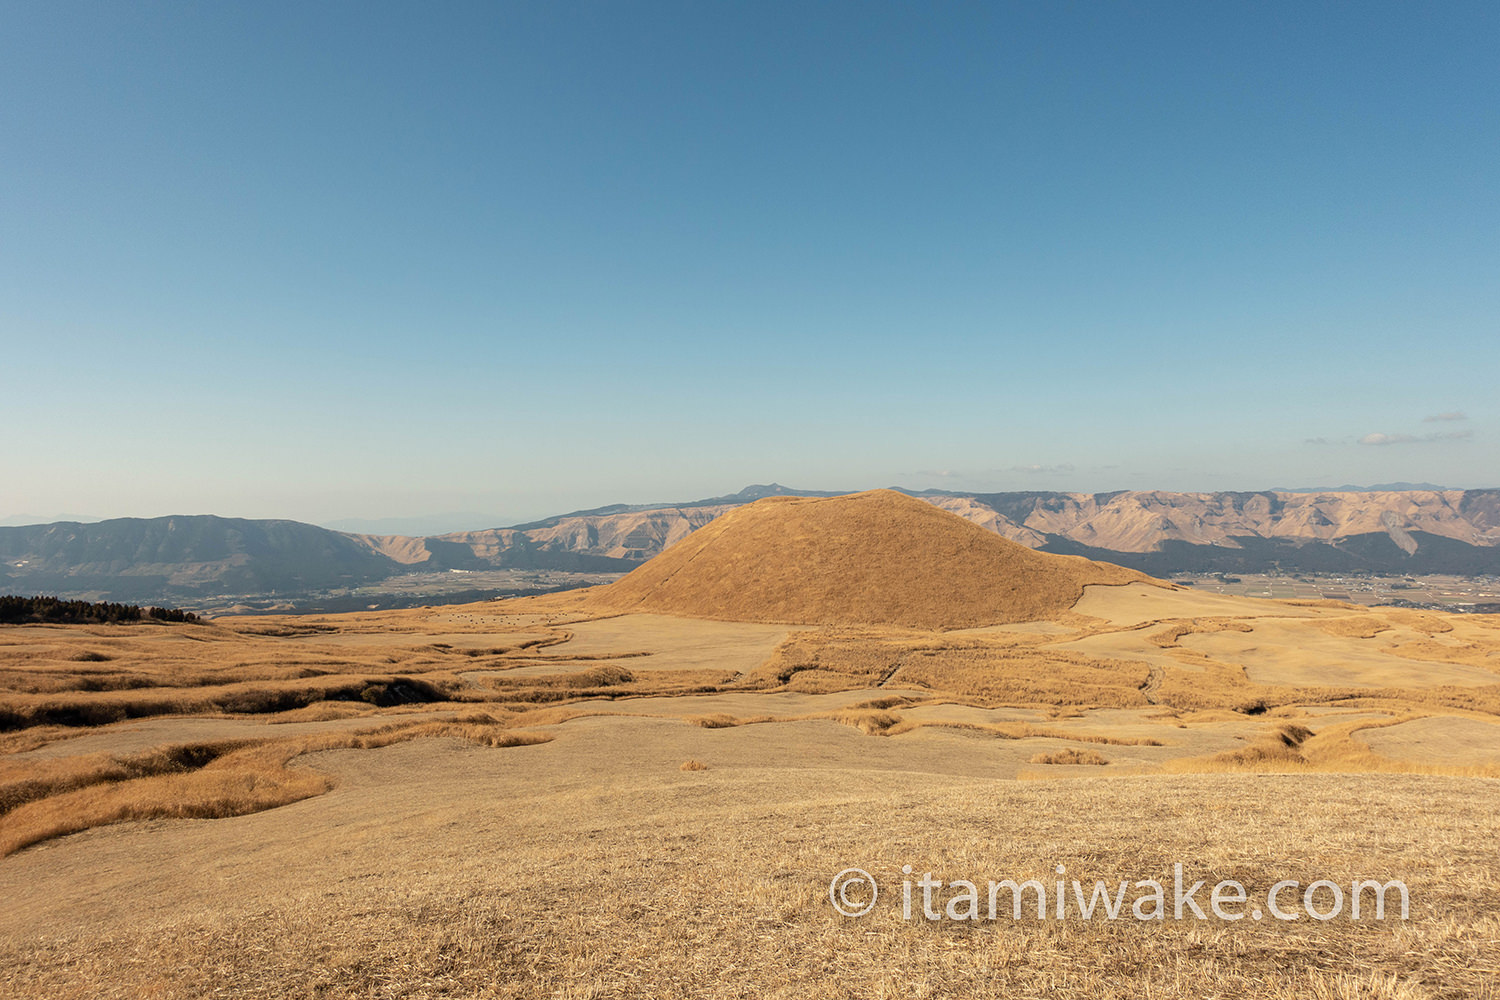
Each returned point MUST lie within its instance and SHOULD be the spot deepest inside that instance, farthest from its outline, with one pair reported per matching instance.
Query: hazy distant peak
(27, 520)
(761, 491)
(768, 490)
(1377, 488)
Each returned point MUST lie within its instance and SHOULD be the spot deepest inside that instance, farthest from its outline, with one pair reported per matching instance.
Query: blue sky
(369, 260)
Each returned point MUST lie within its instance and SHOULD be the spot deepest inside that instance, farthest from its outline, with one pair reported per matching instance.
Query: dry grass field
(610, 795)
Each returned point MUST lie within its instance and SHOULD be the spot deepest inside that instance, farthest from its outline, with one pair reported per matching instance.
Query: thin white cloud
(1385, 439)
(982, 479)
(984, 474)
(1034, 470)
(1450, 415)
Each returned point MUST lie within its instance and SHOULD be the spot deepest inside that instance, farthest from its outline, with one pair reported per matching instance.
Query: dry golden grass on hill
(519, 668)
(714, 884)
(877, 558)
(53, 797)
(1070, 756)
(563, 796)
(41, 797)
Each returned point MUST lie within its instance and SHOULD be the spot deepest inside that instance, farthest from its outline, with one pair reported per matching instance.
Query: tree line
(15, 610)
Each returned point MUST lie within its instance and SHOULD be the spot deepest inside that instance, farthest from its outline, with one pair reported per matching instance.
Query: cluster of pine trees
(56, 611)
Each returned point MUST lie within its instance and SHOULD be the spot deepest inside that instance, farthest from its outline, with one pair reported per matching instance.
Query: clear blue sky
(325, 260)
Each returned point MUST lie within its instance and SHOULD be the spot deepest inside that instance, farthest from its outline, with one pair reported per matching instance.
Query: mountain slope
(1134, 521)
(140, 558)
(173, 559)
(1431, 531)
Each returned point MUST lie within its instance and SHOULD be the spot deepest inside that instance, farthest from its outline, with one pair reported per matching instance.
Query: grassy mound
(875, 558)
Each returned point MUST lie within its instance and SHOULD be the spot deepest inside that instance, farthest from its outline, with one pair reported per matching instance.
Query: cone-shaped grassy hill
(876, 558)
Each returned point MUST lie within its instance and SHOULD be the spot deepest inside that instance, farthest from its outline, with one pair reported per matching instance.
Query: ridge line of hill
(178, 558)
(874, 558)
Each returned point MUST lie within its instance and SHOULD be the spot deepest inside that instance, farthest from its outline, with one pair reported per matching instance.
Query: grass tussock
(1171, 636)
(871, 723)
(1483, 700)
(22, 782)
(991, 670)
(833, 660)
(608, 681)
(1427, 621)
(1356, 626)
(1468, 653)
(525, 715)
(1217, 685)
(895, 701)
(605, 676)
(723, 720)
(40, 800)
(1022, 731)
(1071, 756)
(1291, 749)
(322, 711)
(85, 708)
(235, 787)
(1028, 677)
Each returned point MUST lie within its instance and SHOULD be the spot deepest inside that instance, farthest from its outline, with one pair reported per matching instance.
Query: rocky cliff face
(1127, 522)
(1143, 521)
(614, 541)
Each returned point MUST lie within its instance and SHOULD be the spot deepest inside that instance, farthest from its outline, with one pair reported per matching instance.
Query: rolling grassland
(646, 789)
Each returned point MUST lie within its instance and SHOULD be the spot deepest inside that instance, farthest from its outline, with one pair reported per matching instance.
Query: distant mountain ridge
(130, 557)
(1378, 488)
(179, 557)
(747, 495)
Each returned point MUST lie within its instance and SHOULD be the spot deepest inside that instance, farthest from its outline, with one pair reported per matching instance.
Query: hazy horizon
(377, 261)
(450, 522)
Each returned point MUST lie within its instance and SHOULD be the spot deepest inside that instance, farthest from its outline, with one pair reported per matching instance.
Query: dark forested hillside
(17, 610)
